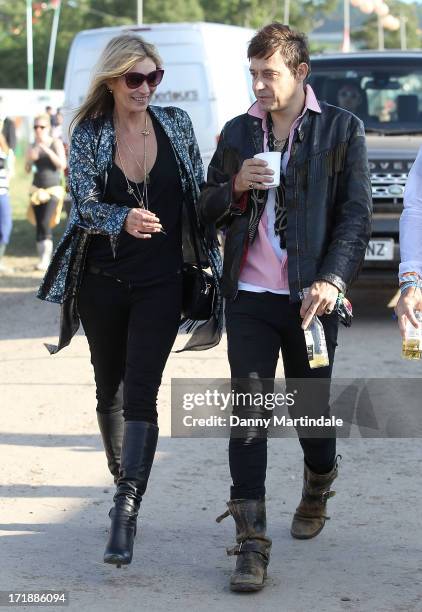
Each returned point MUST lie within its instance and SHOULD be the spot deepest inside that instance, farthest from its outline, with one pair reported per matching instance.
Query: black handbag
(198, 293)
(198, 286)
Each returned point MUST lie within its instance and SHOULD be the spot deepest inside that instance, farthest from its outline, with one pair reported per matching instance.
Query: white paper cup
(273, 159)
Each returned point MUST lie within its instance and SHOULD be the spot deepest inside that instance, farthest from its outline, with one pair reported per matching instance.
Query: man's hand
(320, 300)
(410, 300)
(141, 223)
(254, 174)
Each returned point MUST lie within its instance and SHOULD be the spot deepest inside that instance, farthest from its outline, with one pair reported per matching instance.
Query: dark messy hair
(293, 46)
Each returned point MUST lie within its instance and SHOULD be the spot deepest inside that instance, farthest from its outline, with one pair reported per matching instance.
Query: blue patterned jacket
(90, 161)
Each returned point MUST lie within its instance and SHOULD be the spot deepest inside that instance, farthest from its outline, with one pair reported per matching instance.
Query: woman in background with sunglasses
(135, 171)
(48, 159)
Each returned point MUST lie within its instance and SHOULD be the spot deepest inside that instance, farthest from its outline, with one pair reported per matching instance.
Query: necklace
(278, 143)
(142, 199)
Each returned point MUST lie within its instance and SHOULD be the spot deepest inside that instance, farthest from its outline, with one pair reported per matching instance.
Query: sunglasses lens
(134, 79)
(155, 78)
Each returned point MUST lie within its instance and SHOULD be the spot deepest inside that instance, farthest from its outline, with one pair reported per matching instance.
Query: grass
(22, 241)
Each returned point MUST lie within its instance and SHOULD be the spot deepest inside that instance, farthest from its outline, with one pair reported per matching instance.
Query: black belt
(94, 270)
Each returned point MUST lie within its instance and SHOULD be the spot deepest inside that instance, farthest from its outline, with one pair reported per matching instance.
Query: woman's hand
(34, 153)
(410, 300)
(141, 223)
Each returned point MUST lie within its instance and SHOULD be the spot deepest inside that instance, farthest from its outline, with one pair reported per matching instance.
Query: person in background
(57, 130)
(7, 164)
(309, 233)
(7, 128)
(410, 269)
(6, 157)
(47, 156)
(350, 97)
(49, 111)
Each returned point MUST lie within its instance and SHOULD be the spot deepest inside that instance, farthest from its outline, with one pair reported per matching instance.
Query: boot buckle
(234, 550)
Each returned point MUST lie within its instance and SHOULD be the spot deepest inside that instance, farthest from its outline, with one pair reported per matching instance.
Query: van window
(386, 98)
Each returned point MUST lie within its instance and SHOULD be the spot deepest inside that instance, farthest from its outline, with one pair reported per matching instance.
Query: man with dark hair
(50, 113)
(309, 233)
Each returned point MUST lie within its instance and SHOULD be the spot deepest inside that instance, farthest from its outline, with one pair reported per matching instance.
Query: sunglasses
(135, 79)
(40, 127)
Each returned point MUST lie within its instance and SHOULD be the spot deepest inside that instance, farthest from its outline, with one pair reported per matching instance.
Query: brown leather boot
(253, 547)
(310, 517)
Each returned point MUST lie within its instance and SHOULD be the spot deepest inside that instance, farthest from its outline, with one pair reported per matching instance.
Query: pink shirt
(265, 267)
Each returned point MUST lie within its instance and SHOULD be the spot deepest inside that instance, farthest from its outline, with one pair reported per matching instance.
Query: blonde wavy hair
(120, 55)
(43, 117)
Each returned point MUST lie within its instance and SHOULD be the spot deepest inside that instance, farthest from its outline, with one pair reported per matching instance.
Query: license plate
(382, 249)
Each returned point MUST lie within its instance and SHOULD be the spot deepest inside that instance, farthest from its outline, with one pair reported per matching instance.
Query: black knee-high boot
(138, 449)
(111, 428)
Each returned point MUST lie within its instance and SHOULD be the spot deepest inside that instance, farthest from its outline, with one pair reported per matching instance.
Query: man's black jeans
(130, 331)
(259, 325)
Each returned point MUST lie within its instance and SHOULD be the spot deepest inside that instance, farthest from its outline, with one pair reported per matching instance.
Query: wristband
(409, 276)
(408, 284)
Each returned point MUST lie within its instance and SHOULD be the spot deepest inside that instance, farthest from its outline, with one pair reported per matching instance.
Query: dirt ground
(56, 491)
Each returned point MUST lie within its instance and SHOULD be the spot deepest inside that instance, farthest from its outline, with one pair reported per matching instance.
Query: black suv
(385, 91)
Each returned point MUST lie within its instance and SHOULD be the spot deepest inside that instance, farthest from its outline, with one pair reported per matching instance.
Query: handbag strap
(195, 245)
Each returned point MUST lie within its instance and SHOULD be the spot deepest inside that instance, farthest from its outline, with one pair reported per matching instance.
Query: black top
(47, 174)
(143, 260)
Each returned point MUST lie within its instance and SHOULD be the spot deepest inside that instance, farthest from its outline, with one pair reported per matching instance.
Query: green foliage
(77, 15)
(304, 14)
(175, 10)
(367, 35)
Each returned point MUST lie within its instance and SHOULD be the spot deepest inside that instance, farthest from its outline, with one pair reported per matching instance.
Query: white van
(206, 72)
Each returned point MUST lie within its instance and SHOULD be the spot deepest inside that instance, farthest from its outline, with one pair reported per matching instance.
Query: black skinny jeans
(130, 331)
(259, 325)
(43, 214)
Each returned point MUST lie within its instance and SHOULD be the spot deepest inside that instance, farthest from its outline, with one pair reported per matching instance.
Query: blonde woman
(134, 175)
(48, 159)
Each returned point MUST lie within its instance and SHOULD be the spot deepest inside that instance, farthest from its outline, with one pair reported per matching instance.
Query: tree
(367, 35)
(304, 14)
(76, 15)
(159, 11)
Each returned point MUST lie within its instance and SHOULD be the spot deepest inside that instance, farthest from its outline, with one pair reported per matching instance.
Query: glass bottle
(412, 341)
(316, 345)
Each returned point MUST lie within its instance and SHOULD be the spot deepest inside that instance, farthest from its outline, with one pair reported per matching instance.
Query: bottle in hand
(316, 345)
(412, 341)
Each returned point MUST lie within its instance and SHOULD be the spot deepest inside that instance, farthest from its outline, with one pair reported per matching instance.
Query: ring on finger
(251, 185)
(328, 310)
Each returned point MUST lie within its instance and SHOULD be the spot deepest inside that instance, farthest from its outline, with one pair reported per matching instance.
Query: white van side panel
(229, 68)
(206, 72)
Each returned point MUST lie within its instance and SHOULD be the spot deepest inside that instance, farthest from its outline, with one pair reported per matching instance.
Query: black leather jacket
(328, 198)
